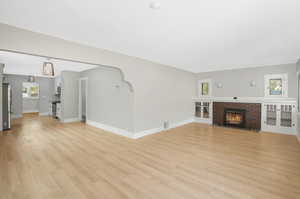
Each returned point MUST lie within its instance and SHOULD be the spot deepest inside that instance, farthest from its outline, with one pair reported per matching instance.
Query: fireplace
(251, 114)
(234, 117)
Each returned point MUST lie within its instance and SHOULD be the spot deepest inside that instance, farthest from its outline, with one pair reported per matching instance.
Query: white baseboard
(160, 129)
(140, 134)
(44, 114)
(202, 120)
(109, 128)
(69, 120)
(13, 116)
(287, 131)
(147, 132)
(31, 111)
(181, 123)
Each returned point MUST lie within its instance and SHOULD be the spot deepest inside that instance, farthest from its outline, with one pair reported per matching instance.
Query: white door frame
(86, 98)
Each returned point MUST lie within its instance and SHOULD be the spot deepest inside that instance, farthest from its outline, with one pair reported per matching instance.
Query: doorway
(83, 98)
(30, 97)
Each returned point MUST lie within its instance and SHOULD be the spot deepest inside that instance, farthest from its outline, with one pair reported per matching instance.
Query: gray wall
(160, 92)
(30, 105)
(298, 93)
(83, 97)
(163, 94)
(16, 82)
(46, 92)
(1, 76)
(110, 100)
(236, 82)
(70, 94)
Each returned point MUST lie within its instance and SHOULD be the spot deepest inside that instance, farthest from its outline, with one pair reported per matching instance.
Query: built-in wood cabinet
(274, 115)
(203, 111)
(279, 117)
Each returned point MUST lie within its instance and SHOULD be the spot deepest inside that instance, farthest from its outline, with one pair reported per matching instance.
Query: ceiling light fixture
(48, 68)
(154, 5)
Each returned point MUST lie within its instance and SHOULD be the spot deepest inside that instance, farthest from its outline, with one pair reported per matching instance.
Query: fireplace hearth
(234, 117)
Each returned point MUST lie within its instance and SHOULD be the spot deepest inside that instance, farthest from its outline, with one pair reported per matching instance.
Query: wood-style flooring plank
(42, 158)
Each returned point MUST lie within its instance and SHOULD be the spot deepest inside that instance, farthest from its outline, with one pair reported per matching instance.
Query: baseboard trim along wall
(140, 134)
(160, 129)
(147, 132)
(109, 128)
(31, 111)
(13, 116)
(69, 120)
(44, 114)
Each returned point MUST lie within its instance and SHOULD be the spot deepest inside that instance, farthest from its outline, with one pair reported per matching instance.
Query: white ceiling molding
(194, 35)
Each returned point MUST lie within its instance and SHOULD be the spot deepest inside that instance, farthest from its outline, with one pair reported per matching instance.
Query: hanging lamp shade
(48, 69)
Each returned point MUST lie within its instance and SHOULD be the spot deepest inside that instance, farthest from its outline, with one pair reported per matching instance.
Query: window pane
(30, 89)
(275, 86)
(205, 88)
(34, 91)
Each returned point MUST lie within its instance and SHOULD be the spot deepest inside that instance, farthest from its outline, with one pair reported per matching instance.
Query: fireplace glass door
(234, 117)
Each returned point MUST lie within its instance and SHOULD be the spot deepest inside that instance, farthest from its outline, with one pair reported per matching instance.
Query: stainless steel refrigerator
(6, 105)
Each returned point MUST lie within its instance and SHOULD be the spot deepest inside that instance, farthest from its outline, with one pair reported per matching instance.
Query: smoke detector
(154, 5)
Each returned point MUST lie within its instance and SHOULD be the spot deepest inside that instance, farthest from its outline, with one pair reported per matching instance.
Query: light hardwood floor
(42, 158)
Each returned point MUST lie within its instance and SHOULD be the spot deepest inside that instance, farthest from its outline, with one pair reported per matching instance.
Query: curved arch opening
(110, 96)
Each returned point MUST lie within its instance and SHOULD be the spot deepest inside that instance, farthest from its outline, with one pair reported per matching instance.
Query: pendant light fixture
(48, 68)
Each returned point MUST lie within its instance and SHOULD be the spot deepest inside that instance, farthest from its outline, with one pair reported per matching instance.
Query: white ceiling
(194, 35)
(20, 64)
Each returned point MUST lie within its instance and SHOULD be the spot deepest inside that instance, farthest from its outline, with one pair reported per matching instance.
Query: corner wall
(110, 100)
(69, 95)
(163, 95)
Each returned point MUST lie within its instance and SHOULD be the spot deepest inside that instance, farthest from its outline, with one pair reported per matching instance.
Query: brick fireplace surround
(253, 113)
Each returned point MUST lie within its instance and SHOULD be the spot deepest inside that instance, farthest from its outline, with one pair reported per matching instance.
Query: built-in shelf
(203, 111)
(277, 114)
(279, 117)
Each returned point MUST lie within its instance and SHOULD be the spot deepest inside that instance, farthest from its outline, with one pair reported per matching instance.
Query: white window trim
(200, 88)
(284, 77)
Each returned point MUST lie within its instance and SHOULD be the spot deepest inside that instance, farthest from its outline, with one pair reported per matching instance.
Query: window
(205, 88)
(30, 90)
(276, 85)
